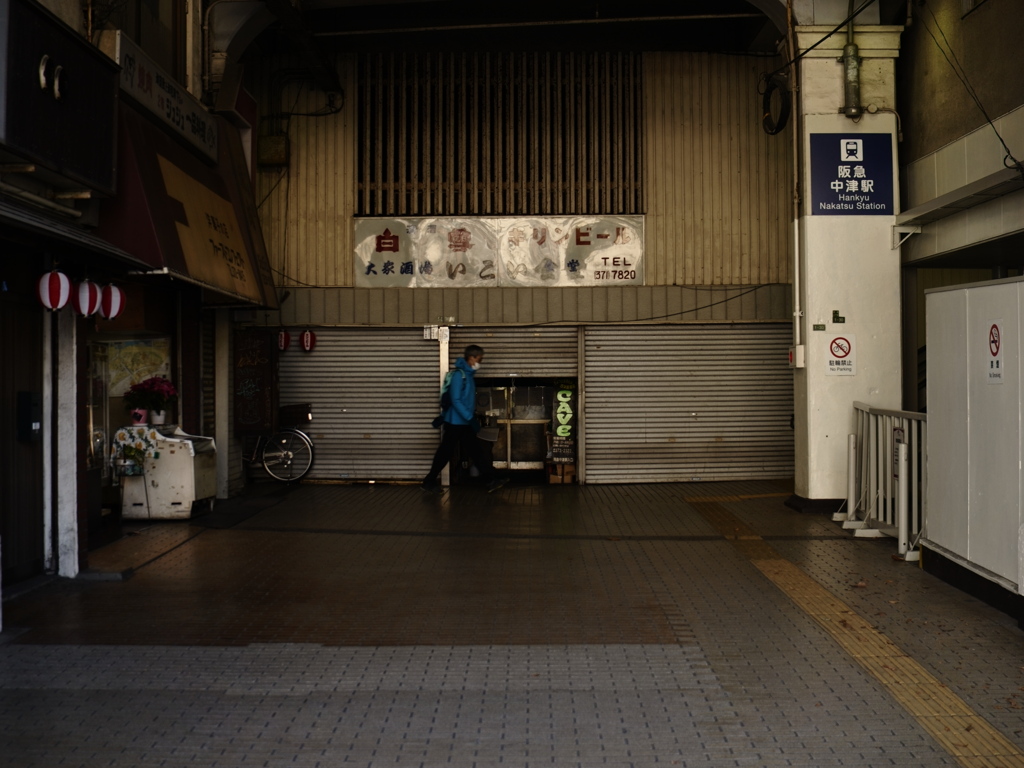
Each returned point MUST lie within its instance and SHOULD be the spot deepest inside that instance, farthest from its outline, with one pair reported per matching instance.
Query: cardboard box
(561, 473)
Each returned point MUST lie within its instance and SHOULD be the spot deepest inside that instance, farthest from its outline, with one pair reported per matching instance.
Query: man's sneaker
(496, 483)
(431, 487)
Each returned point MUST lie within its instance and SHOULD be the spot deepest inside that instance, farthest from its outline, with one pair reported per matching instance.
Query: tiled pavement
(331, 625)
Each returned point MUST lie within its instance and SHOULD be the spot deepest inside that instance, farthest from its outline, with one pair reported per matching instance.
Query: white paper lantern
(111, 302)
(86, 298)
(54, 290)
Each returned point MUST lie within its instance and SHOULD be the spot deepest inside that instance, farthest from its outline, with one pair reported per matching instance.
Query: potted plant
(148, 399)
(132, 445)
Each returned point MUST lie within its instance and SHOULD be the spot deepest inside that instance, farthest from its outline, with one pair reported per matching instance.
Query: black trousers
(470, 447)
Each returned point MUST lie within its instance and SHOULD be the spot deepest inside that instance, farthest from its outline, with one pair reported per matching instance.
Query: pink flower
(154, 394)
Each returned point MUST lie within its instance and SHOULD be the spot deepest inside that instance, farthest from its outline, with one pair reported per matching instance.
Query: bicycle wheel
(288, 455)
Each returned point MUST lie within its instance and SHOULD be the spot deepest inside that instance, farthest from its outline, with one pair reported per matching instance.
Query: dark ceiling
(535, 25)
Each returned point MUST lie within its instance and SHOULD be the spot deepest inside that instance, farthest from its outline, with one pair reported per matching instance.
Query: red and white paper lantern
(307, 341)
(284, 340)
(111, 302)
(54, 290)
(86, 298)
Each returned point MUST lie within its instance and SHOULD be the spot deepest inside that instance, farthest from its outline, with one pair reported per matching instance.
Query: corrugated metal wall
(550, 352)
(374, 392)
(306, 207)
(719, 189)
(498, 133)
(495, 306)
(716, 189)
(687, 403)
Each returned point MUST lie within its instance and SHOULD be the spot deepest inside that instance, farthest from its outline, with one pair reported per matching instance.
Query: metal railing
(887, 477)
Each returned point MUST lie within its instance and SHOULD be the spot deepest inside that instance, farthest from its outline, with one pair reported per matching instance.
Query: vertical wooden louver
(500, 134)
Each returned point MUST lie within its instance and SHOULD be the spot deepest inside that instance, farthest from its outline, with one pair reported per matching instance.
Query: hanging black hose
(776, 84)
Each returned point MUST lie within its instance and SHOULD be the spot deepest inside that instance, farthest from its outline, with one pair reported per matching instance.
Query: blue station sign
(851, 174)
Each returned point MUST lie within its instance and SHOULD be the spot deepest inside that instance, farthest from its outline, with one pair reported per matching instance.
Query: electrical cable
(657, 317)
(777, 82)
(795, 59)
(961, 74)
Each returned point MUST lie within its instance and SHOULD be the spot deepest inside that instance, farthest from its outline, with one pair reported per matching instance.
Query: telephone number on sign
(615, 274)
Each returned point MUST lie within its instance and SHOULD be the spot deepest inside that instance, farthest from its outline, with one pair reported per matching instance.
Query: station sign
(851, 174)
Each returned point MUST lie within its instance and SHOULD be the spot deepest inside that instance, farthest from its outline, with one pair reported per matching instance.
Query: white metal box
(184, 472)
(975, 407)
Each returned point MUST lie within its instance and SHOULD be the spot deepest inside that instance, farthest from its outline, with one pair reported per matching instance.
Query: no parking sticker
(993, 354)
(842, 360)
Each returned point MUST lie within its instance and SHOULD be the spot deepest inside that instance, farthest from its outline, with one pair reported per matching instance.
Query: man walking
(460, 425)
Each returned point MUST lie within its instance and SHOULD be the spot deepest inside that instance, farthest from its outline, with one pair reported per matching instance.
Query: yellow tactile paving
(949, 719)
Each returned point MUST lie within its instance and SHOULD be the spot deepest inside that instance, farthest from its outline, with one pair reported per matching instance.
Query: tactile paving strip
(971, 739)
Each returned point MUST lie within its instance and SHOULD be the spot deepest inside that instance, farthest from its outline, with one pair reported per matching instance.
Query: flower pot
(139, 415)
(158, 417)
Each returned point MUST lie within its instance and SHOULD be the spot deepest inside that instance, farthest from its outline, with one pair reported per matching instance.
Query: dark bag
(438, 421)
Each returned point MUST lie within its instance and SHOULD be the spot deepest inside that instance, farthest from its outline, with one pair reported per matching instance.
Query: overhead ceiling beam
(546, 23)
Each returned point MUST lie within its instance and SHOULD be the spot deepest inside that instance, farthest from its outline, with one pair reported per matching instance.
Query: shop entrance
(521, 421)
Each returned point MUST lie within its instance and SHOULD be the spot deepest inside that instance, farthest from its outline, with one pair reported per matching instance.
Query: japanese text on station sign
(851, 175)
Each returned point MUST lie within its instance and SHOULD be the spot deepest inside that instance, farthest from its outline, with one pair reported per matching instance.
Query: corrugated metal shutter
(374, 392)
(540, 352)
(687, 403)
(207, 362)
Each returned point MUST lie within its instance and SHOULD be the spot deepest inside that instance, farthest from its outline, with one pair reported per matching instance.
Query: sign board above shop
(499, 252)
(160, 94)
(851, 174)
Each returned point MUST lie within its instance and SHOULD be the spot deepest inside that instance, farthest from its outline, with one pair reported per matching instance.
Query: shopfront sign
(160, 94)
(563, 425)
(851, 174)
(468, 252)
(210, 236)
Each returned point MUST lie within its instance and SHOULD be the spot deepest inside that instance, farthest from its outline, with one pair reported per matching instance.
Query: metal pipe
(794, 86)
(851, 73)
(851, 477)
(902, 507)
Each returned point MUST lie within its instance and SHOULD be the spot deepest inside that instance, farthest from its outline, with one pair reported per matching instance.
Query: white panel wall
(993, 432)
(947, 420)
(974, 430)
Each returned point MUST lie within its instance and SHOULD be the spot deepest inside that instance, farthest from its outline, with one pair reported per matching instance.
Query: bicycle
(286, 455)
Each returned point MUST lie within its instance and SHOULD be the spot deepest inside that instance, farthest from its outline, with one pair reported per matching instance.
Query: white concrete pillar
(849, 284)
(66, 441)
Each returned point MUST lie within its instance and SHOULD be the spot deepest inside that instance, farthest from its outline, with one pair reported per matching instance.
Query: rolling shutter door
(374, 392)
(537, 352)
(687, 403)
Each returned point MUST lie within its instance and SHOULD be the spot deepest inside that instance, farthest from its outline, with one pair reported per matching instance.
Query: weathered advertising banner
(474, 252)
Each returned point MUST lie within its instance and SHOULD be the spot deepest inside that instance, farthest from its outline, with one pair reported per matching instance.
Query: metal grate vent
(500, 134)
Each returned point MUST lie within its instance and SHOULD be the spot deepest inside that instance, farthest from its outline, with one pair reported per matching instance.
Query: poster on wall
(851, 174)
(500, 252)
(131, 361)
(563, 424)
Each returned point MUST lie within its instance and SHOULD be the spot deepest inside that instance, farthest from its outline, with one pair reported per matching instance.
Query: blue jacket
(463, 392)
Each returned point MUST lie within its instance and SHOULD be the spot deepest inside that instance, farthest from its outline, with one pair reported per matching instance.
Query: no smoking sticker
(841, 356)
(994, 352)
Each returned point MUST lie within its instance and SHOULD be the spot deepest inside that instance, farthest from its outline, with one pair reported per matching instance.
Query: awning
(184, 217)
(16, 218)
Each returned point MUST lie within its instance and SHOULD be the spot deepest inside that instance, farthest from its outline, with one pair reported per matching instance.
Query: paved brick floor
(559, 626)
